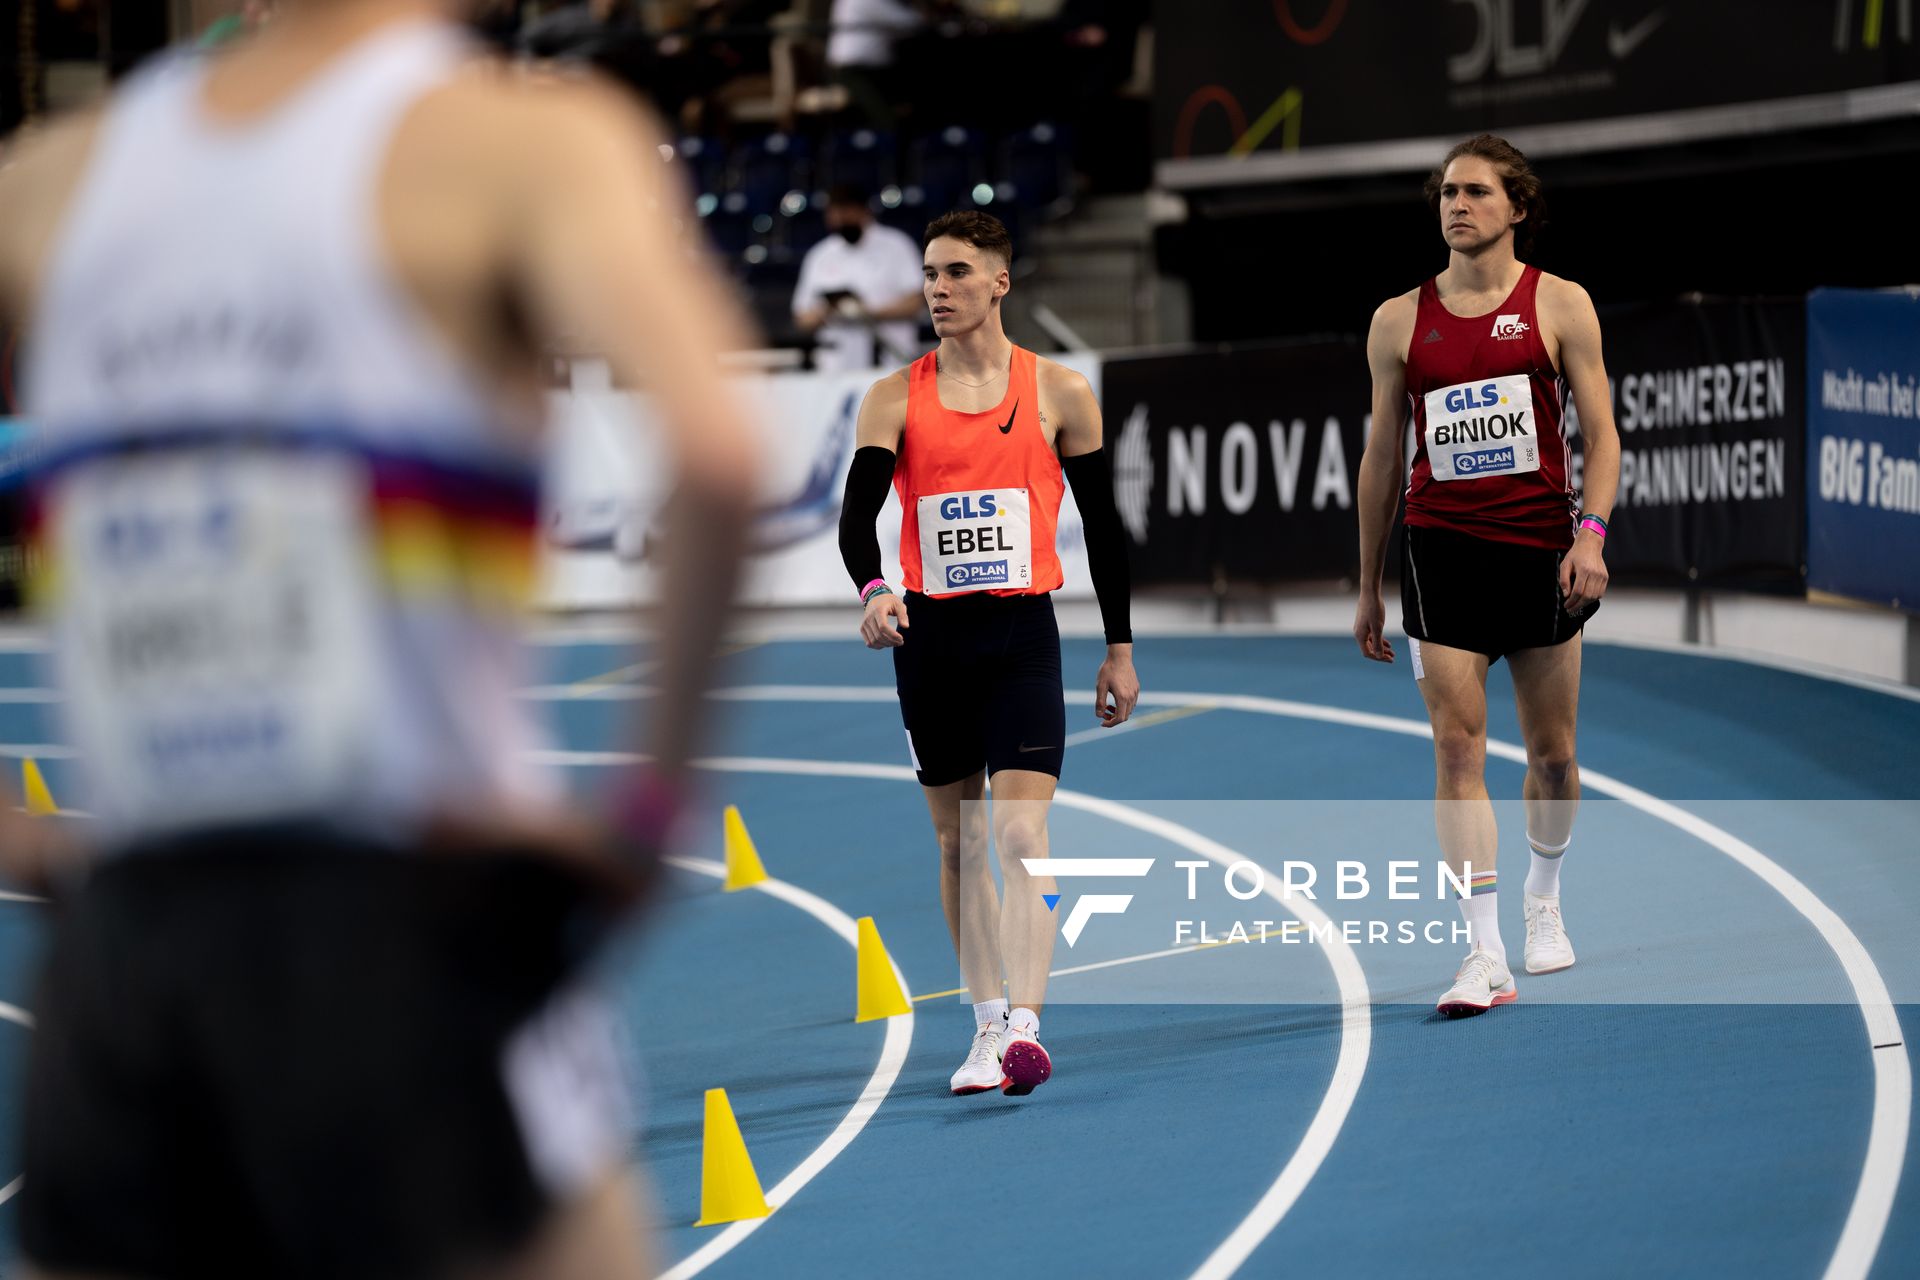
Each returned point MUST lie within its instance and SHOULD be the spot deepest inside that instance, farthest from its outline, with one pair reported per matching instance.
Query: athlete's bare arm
(883, 420)
(1068, 405)
(37, 176)
(595, 253)
(1073, 411)
(1382, 465)
(1568, 314)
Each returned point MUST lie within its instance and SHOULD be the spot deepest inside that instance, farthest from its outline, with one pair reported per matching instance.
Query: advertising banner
(1239, 464)
(1250, 82)
(1709, 401)
(1863, 445)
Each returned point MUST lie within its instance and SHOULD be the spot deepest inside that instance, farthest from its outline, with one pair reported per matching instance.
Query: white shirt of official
(864, 31)
(881, 269)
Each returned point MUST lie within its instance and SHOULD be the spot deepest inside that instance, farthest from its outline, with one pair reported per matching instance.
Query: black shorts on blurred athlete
(285, 1052)
(979, 682)
(1483, 596)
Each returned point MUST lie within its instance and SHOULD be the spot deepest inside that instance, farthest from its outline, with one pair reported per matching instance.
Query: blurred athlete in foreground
(312, 1008)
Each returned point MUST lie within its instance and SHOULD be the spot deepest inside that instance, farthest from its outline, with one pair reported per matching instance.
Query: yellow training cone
(743, 862)
(39, 799)
(729, 1188)
(880, 995)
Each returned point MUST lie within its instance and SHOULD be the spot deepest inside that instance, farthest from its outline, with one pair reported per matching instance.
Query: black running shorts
(284, 1053)
(979, 682)
(1483, 596)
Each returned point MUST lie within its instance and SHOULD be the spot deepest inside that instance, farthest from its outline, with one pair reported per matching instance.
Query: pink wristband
(1596, 524)
(877, 582)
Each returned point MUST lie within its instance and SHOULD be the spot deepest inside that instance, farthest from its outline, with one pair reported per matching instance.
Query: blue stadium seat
(946, 166)
(862, 157)
(909, 212)
(727, 224)
(801, 223)
(706, 164)
(767, 169)
(1038, 162)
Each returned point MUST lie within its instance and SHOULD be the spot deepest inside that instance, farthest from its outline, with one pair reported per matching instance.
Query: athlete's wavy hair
(981, 230)
(1522, 184)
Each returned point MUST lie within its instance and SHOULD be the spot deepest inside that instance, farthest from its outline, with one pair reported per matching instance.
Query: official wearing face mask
(859, 289)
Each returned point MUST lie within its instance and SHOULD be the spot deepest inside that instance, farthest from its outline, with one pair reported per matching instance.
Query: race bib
(217, 613)
(975, 541)
(1485, 428)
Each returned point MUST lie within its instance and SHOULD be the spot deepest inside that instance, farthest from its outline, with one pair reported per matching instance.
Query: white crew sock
(991, 1013)
(1481, 911)
(1024, 1022)
(1543, 873)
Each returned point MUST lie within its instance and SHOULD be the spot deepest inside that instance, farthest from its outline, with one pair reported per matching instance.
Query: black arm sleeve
(867, 481)
(1091, 476)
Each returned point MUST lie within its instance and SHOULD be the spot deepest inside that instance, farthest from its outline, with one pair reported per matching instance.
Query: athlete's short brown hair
(981, 230)
(1522, 184)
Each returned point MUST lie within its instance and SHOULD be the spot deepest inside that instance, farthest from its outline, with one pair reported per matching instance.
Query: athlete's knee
(1021, 836)
(1552, 762)
(962, 843)
(1459, 749)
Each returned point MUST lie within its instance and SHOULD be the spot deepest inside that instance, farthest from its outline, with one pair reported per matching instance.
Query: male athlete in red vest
(1500, 558)
(980, 439)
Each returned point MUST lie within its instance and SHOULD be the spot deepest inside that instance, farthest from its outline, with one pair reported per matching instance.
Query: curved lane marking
(893, 1056)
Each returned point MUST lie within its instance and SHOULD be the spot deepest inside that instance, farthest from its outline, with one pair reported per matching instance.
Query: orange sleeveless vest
(979, 492)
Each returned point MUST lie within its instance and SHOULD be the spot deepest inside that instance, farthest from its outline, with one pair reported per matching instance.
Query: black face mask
(851, 233)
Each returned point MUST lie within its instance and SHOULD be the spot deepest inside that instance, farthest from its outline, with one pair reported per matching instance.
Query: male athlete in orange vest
(980, 437)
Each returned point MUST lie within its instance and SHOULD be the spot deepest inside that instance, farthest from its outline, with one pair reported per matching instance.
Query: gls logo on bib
(1482, 429)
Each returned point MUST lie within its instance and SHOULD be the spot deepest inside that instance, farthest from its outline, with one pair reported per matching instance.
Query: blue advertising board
(1863, 445)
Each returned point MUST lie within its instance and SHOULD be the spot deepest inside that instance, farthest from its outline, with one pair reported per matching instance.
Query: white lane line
(14, 1013)
(1773, 661)
(1892, 1078)
(1866, 1221)
(35, 751)
(1356, 1002)
(1103, 733)
(1356, 1041)
(893, 1056)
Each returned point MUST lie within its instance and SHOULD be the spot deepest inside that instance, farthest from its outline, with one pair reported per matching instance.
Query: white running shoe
(1548, 950)
(1483, 982)
(981, 1071)
(1025, 1063)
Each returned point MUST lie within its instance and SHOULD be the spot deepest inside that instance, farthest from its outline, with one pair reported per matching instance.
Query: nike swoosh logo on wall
(1007, 426)
(1621, 43)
